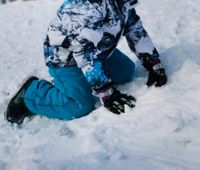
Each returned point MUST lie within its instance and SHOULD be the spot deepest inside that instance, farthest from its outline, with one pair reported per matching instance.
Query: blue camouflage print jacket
(85, 32)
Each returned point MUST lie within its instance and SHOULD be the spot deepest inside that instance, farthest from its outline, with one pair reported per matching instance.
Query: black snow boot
(16, 109)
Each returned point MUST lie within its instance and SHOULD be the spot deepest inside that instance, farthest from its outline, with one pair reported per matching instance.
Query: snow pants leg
(120, 67)
(69, 96)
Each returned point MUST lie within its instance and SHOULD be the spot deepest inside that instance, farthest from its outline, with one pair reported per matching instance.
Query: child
(80, 52)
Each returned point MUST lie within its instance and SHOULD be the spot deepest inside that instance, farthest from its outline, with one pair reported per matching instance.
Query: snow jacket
(85, 33)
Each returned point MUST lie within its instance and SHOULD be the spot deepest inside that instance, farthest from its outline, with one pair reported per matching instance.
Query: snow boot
(16, 109)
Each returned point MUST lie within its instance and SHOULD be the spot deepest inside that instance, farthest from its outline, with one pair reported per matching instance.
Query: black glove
(157, 78)
(114, 100)
(117, 101)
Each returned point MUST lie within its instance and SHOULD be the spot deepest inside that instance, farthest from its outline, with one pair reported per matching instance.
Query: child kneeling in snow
(80, 52)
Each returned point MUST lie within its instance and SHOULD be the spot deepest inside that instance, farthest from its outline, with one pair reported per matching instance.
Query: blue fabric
(70, 95)
(120, 67)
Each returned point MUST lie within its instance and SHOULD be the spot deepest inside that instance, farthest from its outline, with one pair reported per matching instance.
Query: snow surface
(161, 133)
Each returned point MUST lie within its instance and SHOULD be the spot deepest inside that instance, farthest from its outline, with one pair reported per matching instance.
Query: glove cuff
(105, 91)
(157, 66)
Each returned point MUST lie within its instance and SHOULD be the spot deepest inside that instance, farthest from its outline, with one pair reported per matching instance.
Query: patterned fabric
(70, 89)
(85, 33)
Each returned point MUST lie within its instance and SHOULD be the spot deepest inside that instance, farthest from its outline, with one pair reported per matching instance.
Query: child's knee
(84, 110)
(120, 67)
(124, 74)
(73, 110)
(129, 71)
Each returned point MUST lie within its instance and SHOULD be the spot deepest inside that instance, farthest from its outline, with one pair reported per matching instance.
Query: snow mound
(161, 133)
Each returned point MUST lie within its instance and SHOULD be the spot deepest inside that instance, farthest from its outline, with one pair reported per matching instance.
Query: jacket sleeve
(140, 42)
(89, 54)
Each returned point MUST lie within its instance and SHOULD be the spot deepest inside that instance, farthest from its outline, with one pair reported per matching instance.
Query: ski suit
(80, 52)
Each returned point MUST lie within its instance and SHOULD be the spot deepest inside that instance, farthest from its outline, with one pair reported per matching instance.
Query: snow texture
(161, 133)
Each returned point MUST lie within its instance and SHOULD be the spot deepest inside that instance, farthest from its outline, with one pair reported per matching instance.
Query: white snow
(161, 133)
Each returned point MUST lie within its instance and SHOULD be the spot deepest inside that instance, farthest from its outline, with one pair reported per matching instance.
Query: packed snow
(161, 133)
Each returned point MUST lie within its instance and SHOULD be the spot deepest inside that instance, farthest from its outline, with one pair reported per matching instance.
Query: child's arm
(141, 44)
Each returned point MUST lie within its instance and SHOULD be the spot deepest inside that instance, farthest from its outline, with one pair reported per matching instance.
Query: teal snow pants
(69, 96)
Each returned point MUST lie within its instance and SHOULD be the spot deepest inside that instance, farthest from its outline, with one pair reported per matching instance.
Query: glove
(114, 100)
(157, 77)
(117, 101)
